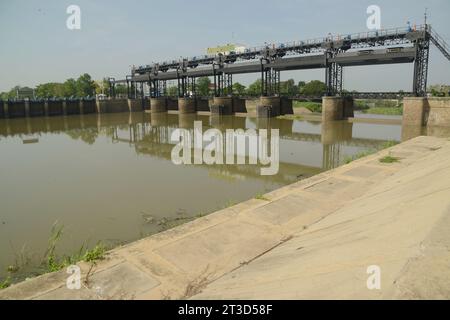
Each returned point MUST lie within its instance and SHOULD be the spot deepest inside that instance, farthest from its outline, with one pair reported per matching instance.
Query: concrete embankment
(312, 239)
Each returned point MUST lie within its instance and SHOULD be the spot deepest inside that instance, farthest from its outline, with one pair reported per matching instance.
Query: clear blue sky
(37, 47)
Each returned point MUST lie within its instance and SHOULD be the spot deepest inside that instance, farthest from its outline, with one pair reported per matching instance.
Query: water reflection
(100, 175)
(150, 134)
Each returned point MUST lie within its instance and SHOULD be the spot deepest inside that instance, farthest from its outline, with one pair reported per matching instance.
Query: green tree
(314, 88)
(50, 90)
(238, 88)
(288, 88)
(301, 86)
(85, 86)
(172, 91)
(120, 89)
(202, 86)
(70, 88)
(11, 94)
(254, 89)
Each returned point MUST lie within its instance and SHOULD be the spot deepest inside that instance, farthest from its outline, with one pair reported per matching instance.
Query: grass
(291, 117)
(311, 106)
(379, 106)
(393, 111)
(365, 153)
(52, 262)
(389, 159)
(260, 196)
(5, 283)
(359, 155)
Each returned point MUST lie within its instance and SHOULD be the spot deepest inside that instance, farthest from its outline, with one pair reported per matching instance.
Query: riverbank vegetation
(368, 152)
(315, 107)
(379, 106)
(83, 86)
(51, 261)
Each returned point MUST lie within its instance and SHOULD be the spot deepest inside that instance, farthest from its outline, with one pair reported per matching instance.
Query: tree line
(83, 86)
(288, 88)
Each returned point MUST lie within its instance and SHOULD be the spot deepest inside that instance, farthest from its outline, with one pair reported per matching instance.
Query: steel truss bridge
(332, 53)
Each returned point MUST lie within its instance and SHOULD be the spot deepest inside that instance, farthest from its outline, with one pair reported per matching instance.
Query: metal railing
(440, 43)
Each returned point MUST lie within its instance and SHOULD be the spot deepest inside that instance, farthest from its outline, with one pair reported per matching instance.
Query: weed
(291, 117)
(359, 155)
(95, 254)
(365, 153)
(389, 159)
(388, 144)
(51, 259)
(5, 283)
(259, 196)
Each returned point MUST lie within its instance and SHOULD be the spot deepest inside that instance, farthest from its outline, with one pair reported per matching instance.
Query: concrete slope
(401, 224)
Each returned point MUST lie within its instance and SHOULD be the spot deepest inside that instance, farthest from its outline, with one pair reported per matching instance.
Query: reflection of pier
(151, 134)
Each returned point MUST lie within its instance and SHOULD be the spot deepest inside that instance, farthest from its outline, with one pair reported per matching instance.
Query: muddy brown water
(110, 177)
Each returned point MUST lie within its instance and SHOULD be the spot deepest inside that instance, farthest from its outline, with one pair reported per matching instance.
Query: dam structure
(332, 53)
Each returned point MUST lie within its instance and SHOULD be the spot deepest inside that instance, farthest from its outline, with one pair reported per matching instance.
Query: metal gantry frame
(223, 83)
(270, 79)
(112, 87)
(157, 88)
(331, 47)
(421, 65)
(333, 74)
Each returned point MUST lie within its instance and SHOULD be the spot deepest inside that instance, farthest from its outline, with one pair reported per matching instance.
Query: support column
(222, 106)
(135, 105)
(187, 105)
(414, 111)
(268, 107)
(332, 108)
(158, 105)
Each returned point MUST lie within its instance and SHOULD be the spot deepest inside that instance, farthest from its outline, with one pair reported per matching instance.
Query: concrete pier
(222, 106)
(420, 111)
(332, 108)
(135, 105)
(187, 105)
(414, 111)
(268, 107)
(438, 112)
(158, 105)
(286, 106)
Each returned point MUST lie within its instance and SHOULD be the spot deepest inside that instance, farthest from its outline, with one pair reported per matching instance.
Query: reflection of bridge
(155, 139)
(151, 135)
(401, 45)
